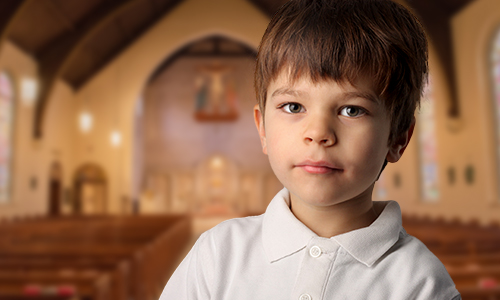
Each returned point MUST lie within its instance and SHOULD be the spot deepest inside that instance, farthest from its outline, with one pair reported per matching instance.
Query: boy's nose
(321, 133)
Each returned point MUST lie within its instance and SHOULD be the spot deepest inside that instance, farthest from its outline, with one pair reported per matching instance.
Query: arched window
(495, 75)
(428, 146)
(6, 133)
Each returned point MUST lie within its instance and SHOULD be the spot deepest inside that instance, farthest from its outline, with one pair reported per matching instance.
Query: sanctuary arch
(239, 20)
(199, 150)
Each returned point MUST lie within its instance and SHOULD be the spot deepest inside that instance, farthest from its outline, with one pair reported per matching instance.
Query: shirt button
(315, 251)
(305, 297)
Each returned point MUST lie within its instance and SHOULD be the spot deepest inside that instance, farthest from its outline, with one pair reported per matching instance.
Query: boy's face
(326, 142)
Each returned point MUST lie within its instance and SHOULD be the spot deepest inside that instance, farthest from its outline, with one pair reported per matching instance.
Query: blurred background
(126, 130)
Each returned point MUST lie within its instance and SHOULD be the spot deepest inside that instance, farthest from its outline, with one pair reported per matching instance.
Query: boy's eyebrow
(364, 95)
(287, 91)
(345, 96)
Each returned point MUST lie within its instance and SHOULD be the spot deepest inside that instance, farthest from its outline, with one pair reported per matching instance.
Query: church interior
(126, 130)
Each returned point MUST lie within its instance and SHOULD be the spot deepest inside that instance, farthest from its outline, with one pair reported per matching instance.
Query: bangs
(328, 51)
(341, 40)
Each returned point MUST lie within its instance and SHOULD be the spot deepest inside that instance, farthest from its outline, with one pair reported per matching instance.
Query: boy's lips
(318, 167)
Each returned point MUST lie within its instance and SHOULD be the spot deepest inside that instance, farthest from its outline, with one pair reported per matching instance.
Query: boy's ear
(396, 150)
(259, 122)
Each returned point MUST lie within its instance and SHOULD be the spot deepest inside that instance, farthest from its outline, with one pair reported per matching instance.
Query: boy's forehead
(285, 83)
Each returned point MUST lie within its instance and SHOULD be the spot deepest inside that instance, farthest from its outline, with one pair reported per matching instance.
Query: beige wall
(32, 158)
(112, 93)
(470, 140)
(473, 30)
(174, 139)
(176, 144)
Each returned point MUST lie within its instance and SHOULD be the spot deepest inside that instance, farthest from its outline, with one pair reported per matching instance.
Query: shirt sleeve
(194, 276)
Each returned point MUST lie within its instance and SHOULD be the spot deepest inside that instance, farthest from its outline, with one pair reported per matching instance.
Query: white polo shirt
(275, 256)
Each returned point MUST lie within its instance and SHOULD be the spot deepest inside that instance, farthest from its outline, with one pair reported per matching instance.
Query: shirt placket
(316, 266)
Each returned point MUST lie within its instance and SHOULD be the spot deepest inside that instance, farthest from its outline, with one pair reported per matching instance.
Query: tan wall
(33, 158)
(470, 140)
(174, 139)
(176, 144)
(113, 92)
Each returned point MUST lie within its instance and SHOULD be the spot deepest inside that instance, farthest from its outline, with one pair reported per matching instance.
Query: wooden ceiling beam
(138, 31)
(9, 10)
(60, 15)
(57, 57)
(436, 17)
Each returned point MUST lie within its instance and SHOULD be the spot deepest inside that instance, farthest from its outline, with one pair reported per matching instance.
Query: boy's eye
(352, 111)
(292, 108)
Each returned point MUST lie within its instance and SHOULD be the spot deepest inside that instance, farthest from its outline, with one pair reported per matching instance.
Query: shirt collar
(283, 234)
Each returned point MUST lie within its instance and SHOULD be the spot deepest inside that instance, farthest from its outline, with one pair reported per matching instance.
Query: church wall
(409, 193)
(468, 141)
(177, 143)
(115, 90)
(473, 30)
(58, 142)
(463, 142)
(32, 158)
(171, 125)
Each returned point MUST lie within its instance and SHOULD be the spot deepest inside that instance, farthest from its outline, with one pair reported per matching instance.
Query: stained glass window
(6, 126)
(428, 146)
(495, 63)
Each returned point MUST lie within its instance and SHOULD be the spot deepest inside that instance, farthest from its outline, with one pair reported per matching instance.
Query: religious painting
(216, 98)
(6, 131)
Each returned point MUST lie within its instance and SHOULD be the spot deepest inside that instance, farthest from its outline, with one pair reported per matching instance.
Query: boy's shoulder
(238, 229)
(410, 246)
(410, 261)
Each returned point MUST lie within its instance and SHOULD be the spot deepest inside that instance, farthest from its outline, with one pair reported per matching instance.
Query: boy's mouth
(318, 167)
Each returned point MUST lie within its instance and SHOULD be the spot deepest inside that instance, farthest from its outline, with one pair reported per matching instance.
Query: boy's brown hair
(342, 39)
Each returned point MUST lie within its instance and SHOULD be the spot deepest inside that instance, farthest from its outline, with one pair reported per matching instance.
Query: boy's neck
(336, 219)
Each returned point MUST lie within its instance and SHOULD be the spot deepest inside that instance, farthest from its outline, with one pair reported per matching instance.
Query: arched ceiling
(74, 39)
(211, 46)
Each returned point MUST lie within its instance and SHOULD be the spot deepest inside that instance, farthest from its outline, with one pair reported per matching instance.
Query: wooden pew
(119, 271)
(474, 293)
(92, 285)
(135, 253)
(470, 253)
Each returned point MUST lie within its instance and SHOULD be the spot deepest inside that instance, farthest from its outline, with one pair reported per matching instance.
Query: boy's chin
(324, 198)
(321, 199)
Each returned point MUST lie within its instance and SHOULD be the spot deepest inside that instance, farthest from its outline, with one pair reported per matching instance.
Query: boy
(337, 82)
